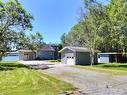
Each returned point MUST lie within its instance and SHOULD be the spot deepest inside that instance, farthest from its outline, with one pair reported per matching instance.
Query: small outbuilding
(76, 56)
(112, 57)
(27, 55)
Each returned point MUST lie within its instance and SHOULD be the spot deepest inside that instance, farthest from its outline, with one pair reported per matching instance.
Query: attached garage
(76, 56)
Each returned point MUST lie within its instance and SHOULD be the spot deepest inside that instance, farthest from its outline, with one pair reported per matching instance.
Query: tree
(63, 39)
(100, 27)
(117, 11)
(30, 42)
(75, 37)
(13, 18)
(35, 41)
(92, 18)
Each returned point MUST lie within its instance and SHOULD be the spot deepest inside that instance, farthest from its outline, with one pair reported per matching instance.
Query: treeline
(14, 21)
(100, 27)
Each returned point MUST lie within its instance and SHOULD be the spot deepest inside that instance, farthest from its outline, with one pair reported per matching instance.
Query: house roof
(44, 48)
(47, 48)
(76, 49)
(26, 51)
(111, 53)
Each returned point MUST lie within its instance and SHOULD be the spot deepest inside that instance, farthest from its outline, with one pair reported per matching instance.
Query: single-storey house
(47, 52)
(76, 56)
(111, 57)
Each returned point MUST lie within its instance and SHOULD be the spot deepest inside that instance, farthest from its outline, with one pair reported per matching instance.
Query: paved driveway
(91, 82)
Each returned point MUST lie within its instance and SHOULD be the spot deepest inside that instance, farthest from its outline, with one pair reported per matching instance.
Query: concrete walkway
(90, 82)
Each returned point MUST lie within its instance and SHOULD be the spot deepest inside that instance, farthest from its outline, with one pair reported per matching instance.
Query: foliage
(101, 27)
(117, 11)
(75, 37)
(23, 81)
(13, 18)
(31, 42)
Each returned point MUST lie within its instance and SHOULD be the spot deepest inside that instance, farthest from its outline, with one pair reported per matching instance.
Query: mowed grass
(112, 68)
(17, 79)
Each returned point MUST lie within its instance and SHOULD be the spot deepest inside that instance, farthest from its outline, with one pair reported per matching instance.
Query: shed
(112, 57)
(76, 56)
(27, 55)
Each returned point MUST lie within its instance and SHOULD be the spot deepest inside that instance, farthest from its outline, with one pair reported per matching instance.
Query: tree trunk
(1, 55)
(92, 57)
(116, 58)
(0, 58)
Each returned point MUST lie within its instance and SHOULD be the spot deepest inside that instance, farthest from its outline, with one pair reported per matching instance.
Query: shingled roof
(47, 48)
(76, 49)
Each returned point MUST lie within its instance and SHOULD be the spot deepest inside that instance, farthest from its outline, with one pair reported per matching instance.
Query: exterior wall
(27, 56)
(65, 54)
(106, 58)
(82, 58)
(45, 55)
(103, 58)
(55, 52)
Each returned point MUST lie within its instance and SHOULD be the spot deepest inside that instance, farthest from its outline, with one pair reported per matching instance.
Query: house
(76, 56)
(111, 57)
(47, 52)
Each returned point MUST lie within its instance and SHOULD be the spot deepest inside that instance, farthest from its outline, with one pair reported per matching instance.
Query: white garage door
(70, 60)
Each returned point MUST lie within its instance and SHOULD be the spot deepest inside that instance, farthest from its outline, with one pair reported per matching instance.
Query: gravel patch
(91, 82)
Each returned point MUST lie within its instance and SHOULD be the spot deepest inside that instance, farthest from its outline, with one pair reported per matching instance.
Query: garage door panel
(70, 60)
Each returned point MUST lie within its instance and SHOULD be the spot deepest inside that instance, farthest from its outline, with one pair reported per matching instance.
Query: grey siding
(45, 55)
(64, 55)
(82, 58)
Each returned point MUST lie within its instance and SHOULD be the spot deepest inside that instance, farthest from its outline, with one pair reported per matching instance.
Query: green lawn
(112, 68)
(58, 60)
(17, 79)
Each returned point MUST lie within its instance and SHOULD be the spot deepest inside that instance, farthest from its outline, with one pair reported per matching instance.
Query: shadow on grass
(11, 66)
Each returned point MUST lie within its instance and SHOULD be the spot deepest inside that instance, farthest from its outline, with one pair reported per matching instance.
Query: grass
(112, 68)
(58, 60)
(17, 79)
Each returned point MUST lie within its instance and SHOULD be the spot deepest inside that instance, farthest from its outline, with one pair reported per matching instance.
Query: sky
(53, 17)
